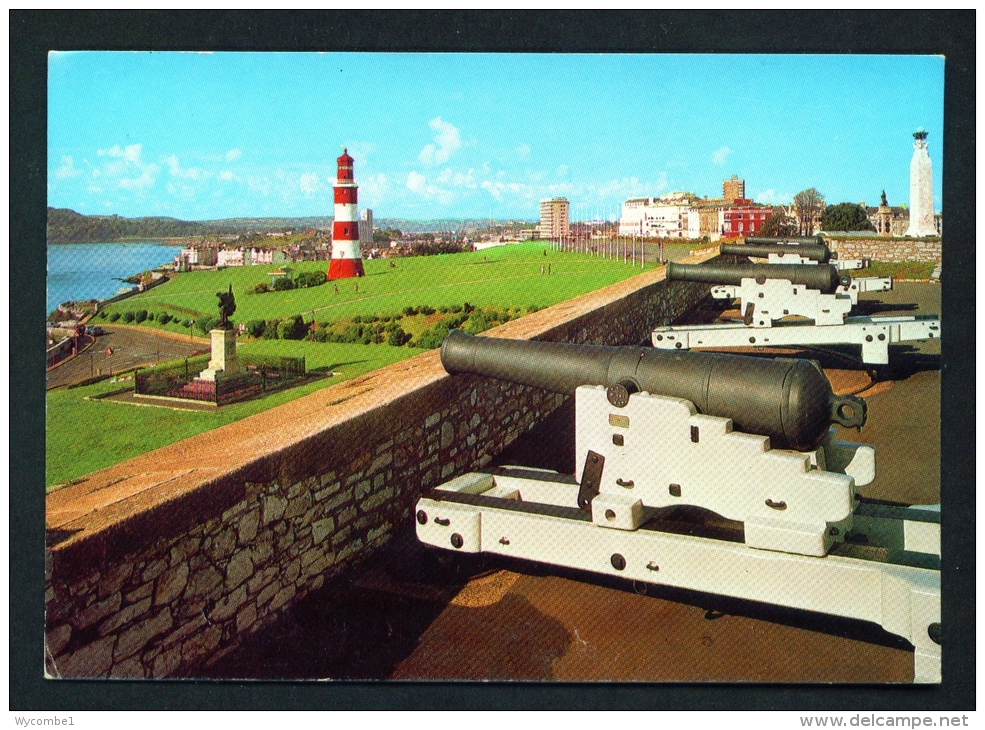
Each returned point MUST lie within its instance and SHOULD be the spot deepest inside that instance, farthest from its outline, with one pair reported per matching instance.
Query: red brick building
(742, 218)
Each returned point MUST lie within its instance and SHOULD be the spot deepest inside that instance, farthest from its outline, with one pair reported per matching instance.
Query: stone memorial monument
(921, 191)
(224, 358)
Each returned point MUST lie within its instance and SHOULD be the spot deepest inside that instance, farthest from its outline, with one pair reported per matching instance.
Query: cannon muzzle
(823, 277)
(813, 251)
(790, 401)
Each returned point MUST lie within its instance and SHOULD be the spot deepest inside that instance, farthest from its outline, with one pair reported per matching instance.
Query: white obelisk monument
(921, 191)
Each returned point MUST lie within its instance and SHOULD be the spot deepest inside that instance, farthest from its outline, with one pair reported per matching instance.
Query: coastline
(83, 272)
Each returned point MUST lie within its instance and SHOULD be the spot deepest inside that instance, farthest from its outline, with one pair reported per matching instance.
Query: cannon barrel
(790, 401)
(813, 251)
(788, 239)
(823, 277)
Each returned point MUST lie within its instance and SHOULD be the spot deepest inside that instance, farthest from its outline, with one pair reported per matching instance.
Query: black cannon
(787, 239)
(790, 401)
(814, 251)
(823, 277)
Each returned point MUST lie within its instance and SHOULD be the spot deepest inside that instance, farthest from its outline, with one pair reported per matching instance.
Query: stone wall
(887, 249)
(164, 563)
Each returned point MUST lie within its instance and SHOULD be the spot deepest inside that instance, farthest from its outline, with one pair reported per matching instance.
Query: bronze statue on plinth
(227, 305)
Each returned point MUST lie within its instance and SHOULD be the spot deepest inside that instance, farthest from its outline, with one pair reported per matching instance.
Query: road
(121, 348)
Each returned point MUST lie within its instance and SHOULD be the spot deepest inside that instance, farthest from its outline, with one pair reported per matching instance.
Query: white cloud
(310, 184)
(630, 187)
(227, 175)
(259, 184)
(523, 151)
(127, 161)
(68, 169)
(720, 155)
(360, 151)
(233, 155)
(144, 181)
(190, 173)
(417, 183)
(447, 142)
(465, 180)
(181, 190)
(561, 171)
(375, 189)
(771, 197)
(115, 168)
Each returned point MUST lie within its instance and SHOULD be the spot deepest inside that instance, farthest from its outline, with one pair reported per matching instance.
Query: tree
(256, 327)
(398, 338)
(809, 205)
(292, 328)
(846, 217)
(206, 323)
(778, 225)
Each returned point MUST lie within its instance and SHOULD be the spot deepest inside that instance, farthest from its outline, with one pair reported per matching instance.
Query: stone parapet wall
(887, 249)
(164, 563)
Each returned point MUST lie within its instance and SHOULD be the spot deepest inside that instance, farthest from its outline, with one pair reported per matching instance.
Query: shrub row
(291, 328)
(303, 280)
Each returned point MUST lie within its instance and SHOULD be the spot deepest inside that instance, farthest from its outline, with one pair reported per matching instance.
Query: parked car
(95, 331)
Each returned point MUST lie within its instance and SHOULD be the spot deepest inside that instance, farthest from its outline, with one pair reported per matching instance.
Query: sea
(80, 271)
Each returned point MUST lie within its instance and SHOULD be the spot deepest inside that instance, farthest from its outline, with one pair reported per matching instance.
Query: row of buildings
(214, 254)
(675, 215)
(685, 215)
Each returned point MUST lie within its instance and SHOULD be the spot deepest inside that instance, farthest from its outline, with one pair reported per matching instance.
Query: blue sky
(200, 136)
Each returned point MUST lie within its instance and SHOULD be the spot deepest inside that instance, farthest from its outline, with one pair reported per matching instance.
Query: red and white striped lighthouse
(346, 259)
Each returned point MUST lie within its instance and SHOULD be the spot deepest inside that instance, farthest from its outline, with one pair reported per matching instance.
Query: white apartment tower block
(366, 226)
(553, 218)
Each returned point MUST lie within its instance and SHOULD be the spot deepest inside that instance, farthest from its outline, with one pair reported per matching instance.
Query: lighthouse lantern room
(346, 260)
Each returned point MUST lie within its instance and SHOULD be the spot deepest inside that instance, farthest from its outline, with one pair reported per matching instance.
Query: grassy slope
(507, 275)
(84, 436)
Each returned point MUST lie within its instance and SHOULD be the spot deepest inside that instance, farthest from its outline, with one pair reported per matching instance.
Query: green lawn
(502, 276)
(899, 270)
(86, 435)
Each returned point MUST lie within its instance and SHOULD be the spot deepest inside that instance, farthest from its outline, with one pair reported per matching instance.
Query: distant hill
(67, 226)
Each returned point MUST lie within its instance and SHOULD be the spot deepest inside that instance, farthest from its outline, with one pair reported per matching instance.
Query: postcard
(522, 367)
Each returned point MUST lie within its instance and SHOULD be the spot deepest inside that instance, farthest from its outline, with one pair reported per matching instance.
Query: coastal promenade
(121, 348)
